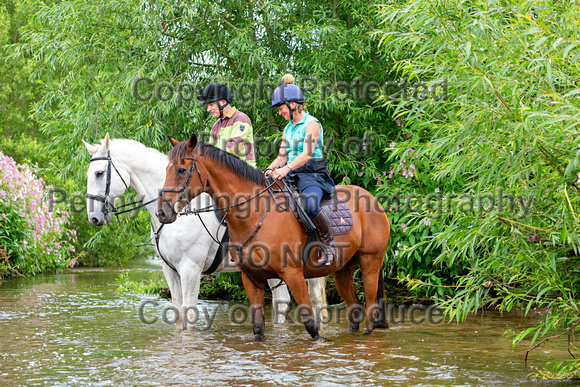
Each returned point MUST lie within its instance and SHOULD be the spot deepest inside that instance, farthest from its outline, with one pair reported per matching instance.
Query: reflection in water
(75, 329)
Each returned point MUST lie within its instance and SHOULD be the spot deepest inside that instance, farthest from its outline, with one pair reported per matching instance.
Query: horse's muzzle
(99, 219)
(166, 214)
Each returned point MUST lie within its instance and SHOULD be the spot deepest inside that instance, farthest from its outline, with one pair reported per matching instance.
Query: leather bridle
(109, 207)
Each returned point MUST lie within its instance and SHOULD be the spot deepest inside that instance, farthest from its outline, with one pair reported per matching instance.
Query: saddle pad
(340, 215)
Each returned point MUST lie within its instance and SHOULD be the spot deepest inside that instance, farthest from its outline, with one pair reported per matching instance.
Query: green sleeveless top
(294, 137)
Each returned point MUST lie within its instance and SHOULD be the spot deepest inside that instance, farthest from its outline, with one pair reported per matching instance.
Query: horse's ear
(106, 141)
(172, 141)
(104, 147)
(192, 143)
(91, 148)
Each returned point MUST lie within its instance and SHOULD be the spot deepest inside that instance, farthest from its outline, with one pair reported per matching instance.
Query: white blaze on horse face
(97, 183)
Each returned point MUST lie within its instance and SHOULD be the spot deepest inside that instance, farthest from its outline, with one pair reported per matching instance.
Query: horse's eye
(99, 173)
(181, 170)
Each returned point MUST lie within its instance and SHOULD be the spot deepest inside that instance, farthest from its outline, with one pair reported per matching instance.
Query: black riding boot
(326, 244)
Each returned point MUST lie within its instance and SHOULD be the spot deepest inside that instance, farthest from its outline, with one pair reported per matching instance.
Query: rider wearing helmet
(232, 132)
(300, 161)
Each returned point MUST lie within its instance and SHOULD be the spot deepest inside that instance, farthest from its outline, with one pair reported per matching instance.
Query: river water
(74, 328)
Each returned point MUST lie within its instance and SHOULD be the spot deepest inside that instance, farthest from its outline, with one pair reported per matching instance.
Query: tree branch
(569, 331)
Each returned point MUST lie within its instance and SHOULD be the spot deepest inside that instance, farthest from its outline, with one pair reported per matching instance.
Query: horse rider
(232, 132)
(300, 161)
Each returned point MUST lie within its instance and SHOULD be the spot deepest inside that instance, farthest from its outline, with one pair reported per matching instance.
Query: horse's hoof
(368, 333)
(258, 337)
(351, 329)
(318, 338)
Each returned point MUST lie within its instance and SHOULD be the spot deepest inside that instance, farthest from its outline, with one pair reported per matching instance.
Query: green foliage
(157, 285)
(224, 286)
(110, 45)
(509, 124)
(19, 135)
(563, 370)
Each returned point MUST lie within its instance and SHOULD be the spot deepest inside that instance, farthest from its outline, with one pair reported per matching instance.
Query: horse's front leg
(174, 282)
(255, 291)
(297, 285)
(190, 281)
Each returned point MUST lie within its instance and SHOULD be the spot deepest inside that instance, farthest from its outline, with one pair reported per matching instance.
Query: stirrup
(324, 261)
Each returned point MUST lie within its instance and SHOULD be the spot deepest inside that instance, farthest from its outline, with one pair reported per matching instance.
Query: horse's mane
(132, 148)
(228, 160)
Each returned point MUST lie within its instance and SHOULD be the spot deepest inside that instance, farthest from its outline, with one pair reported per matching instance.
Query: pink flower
(403, 227)
(547, 191)
(359, 174)
(436, 190)
(392, 145)
(427, 222)
(391, 207)
(412, 166)
(384, 173)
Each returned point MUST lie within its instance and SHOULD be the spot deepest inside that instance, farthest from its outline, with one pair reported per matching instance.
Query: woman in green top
(300, 160)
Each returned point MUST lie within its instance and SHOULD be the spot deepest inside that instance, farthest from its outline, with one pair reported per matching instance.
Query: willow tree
(133, 68)
(510, 121)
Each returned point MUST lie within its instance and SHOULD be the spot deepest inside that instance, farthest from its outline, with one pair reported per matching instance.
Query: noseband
(109, 207)
(178, 207)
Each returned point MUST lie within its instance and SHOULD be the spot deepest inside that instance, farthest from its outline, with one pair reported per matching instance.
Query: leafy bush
(223, 286)
(157, 285)
(508, 125)
(33, 235)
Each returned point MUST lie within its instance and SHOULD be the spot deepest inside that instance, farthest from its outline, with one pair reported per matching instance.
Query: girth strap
(220, 254)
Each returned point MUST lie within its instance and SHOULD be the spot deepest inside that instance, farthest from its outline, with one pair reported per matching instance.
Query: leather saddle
(337, 210)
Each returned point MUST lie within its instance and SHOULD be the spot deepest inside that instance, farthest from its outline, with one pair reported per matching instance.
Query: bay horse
(185, 246)
(269, 240)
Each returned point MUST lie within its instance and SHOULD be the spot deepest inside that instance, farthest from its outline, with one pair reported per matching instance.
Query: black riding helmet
(214, 93)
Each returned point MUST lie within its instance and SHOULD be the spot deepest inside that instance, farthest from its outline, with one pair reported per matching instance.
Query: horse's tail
(381, 304)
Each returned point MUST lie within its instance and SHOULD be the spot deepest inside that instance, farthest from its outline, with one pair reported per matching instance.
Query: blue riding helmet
(286, 93)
